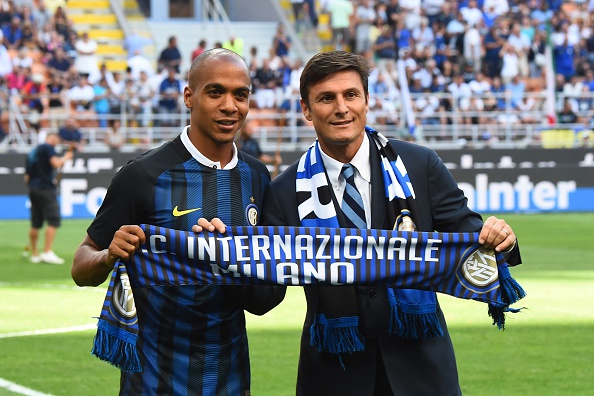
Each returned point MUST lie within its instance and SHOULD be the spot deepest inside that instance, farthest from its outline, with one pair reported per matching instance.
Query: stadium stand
(476, 70)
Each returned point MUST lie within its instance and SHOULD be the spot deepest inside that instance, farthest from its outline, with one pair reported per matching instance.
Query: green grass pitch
(46, 322)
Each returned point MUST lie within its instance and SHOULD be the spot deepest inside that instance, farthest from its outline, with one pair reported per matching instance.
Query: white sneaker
(51, 258)
(36, 259)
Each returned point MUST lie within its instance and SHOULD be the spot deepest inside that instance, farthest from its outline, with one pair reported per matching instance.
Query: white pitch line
(50, 331)
(21, 390)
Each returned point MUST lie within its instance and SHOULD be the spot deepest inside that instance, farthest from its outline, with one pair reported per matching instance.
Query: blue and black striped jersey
(192, 339)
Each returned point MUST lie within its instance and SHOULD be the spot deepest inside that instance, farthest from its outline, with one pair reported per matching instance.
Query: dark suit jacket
(424, 367)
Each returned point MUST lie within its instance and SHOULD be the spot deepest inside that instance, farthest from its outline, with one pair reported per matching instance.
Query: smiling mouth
(341, 123)
(227, 122)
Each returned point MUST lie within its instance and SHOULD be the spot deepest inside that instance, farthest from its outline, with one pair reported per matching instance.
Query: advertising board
(531, 180)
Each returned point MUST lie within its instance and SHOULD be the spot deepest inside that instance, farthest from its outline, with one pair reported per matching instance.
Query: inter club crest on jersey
(251, 214)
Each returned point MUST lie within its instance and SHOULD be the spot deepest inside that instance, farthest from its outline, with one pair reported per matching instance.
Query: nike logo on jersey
(177, 212)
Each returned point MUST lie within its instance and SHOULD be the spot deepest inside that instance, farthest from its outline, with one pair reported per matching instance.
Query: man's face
(219, 103)
(338, 109)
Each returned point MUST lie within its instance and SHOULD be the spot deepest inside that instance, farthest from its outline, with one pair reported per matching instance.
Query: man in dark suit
(334, 96)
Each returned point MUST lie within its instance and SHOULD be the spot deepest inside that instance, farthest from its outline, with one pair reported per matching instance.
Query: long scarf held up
(450, 263)
(413, 312)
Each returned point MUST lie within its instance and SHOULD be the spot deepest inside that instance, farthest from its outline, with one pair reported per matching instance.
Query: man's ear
(305, 110)
(188, 97)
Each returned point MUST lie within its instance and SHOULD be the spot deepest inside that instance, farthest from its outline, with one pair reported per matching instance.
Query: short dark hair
(325, 64)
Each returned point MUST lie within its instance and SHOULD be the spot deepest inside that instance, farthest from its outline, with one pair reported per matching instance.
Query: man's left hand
(498, 234)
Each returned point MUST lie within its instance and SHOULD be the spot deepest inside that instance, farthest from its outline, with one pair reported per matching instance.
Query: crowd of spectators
(467, 55)
(464, 62)
(58, 81)
(53, 73)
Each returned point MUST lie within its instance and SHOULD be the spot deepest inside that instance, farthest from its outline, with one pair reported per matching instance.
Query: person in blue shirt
(564, 59)
(101, 101)
(493, 42)
(135, 43)
(170, 57)
(589, 80)
(498, 90)
(281, 42)
(170, 90)
(13, 34)
(403, 37)
(385, 47)
(441, 46)
(70, 134)
(517, 90)
(40, 176)
(192, 339)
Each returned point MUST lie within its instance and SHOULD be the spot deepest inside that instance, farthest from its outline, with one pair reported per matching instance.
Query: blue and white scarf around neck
(413, 312)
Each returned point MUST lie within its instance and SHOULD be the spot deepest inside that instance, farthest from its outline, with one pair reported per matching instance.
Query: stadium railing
(459, 126)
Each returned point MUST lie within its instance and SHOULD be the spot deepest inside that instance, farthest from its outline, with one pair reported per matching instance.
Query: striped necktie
(352, 203)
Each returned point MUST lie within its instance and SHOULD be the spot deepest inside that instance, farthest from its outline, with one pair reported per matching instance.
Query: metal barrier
(457, 127)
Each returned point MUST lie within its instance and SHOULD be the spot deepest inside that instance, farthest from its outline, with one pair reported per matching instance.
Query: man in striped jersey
(192, 339)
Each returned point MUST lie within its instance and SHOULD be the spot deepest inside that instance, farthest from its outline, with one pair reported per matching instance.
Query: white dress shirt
(362, 176)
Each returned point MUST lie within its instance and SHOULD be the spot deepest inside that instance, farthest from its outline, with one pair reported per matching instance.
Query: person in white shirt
(521, 44)
(81, 95)
(479, 85)
(473, 46)
(472, 14)
(364, 17)
(140, 63)
(100, 73)
(432, 9)
(22, 59)
(510, 67)
(423, 35)
(142, 101)
(5, 62)
(459, 89)
(500, 6)
(86, 61)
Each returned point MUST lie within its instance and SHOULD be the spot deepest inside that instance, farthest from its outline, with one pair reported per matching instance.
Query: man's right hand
(124, 243)
(92, 264)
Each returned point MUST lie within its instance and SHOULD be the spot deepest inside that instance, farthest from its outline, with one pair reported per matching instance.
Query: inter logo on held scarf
(452, 263)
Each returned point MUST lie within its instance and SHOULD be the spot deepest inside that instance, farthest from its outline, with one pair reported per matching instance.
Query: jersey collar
(201, 158)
